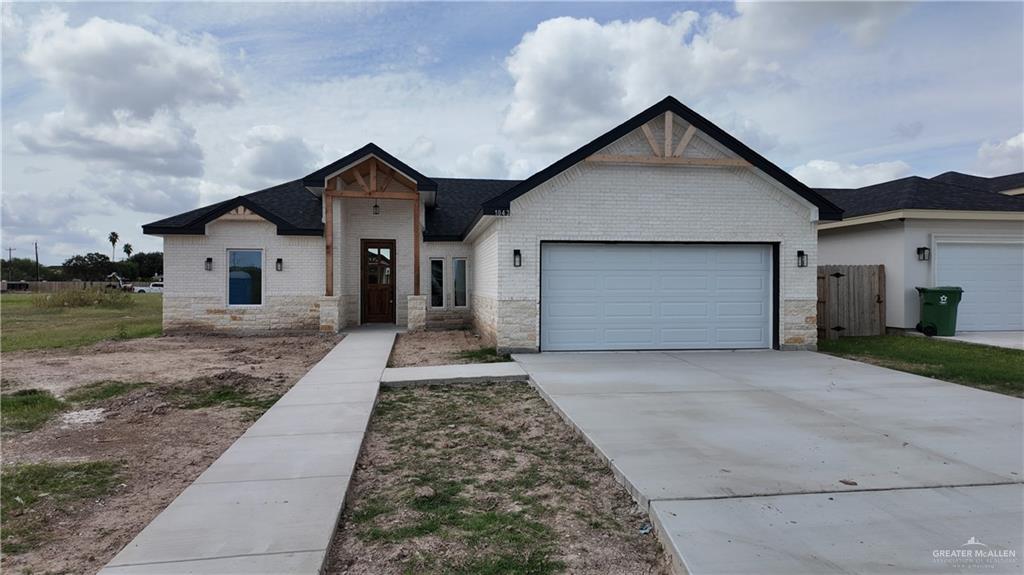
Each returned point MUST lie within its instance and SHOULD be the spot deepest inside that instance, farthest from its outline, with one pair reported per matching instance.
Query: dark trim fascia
(499, 205)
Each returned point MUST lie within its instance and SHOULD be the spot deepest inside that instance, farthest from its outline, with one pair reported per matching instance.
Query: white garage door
(655, 296)
(992, 276)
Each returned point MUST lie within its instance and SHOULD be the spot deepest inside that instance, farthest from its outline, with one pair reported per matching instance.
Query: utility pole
(37, 259)
(10, 264)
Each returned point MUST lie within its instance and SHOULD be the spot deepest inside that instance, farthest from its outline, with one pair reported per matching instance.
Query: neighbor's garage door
(655, 296)
(992, 276)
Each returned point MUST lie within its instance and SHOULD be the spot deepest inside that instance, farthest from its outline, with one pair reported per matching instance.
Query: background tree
(90, 267)
(112, 238)
(25, 269)
(150, 264)
(127, 251)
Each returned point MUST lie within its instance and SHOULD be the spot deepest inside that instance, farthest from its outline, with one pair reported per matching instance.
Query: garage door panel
(683, 338)
(742, 310)
(683, 284)
(684, 310)
(633, 310)
(740, 337)
(655, 296)
(992, 275)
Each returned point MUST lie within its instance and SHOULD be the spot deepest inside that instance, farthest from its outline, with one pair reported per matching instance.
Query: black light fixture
(924, 254)
(279, 264)
(209, 264)
(801, 259)
(376, 208)
(517, 258)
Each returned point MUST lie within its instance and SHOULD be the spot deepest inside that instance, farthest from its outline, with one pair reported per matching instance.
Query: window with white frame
(245, 277)
(460, 291)
(436, 283)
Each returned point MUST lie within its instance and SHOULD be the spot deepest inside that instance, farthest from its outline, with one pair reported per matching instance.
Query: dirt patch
(162, 359)
(199, 394)
(448, 347)
(485, 478)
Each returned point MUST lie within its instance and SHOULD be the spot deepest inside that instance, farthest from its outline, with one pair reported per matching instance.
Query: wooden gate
(851, 301)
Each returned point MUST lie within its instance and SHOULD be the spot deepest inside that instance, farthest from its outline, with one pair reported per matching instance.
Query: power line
(10, 264)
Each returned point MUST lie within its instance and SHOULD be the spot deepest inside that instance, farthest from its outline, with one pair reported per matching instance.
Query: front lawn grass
(27, 409)
(26, 326)
(34, 494)
(984, 367)
(484, 355)
(485, 478)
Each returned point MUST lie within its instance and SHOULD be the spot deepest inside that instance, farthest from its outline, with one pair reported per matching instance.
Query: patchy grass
(93, 297)
(36, 494)
(102, 391)
(26, 326)
(28, 409)
(484, 355)
(225, 390)
(484, 479)
(984, 367)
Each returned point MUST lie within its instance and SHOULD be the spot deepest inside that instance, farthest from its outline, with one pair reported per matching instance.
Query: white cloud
(124, 87)
(270, 155)
(828, 174)
(1000, 158)
(150, 194)
(163, 144)
(575, 76)
(485, 161)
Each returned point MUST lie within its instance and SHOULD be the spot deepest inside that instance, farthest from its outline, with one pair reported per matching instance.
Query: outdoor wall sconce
(801, 259)
(924, 254)
(279, 264)
(376, 208)
(209, 264)
(517, 258)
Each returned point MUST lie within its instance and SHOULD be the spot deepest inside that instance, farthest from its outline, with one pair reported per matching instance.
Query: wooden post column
(416, 239)
(329, 242)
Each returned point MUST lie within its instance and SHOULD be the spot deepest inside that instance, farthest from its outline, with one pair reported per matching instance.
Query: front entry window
(245, 277)
(378, 266)
(436, 283)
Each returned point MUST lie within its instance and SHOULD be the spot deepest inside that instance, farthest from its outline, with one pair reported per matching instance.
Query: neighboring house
(664, 233)
(954, 229)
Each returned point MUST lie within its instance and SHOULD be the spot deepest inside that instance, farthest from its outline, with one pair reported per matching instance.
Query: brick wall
(654, 203)
(484, 271)
(196, 299)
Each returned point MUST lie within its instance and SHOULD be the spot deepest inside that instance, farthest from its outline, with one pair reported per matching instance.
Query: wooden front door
(378, 281)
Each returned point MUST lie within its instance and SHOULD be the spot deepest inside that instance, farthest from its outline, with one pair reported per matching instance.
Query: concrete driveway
(798, 462)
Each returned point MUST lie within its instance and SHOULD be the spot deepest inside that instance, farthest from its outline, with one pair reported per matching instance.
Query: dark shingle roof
(458, 201)
(294, 209)
(916, 193)
(996, 184)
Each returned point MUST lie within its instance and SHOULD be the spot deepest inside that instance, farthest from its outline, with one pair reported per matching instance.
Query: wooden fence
(851, 301)
(53, 287)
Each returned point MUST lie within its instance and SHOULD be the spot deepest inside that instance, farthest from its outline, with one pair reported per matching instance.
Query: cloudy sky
(115, 115)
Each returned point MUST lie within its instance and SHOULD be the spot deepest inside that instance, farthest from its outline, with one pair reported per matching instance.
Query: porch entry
(378, 281)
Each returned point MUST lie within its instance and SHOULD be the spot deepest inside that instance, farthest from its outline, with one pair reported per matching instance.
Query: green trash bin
(938, 310)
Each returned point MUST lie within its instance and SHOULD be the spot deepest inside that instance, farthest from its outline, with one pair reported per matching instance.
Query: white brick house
(664, 233)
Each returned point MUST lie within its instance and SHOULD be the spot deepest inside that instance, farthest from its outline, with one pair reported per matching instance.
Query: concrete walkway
(1007, 339)
(271, 502)
(798, 462)
(444, 374)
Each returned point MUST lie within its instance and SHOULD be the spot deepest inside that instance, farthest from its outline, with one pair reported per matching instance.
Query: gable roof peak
(826, 209)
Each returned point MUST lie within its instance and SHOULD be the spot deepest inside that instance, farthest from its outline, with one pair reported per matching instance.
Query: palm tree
(112, 238)
(127, 250)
